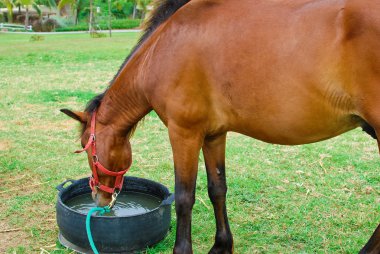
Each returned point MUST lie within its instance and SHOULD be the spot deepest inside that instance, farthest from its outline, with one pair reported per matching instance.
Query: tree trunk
(76, 16)
(9, 17)
(26, 17)
(134, 10)
(10, 14)
(142, 15)
(91, 25)
(109, 17)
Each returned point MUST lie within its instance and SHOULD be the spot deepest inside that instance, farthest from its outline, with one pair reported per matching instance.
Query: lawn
(317, 198)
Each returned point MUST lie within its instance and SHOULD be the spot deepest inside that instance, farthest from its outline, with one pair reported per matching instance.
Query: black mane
(163, 10)
(94, 103)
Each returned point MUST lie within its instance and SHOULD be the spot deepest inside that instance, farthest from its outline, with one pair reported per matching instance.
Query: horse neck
(124, 103)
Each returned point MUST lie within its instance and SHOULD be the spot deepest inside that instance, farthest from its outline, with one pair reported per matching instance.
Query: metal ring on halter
(117, 191)
(113, 200)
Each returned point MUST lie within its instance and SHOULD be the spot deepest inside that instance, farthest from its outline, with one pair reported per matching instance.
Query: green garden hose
(102, 210)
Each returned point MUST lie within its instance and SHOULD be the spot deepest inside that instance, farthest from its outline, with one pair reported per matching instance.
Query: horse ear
(77, 115)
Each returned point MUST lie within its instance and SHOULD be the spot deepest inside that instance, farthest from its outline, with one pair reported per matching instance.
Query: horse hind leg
(214, 154)
(369, 130)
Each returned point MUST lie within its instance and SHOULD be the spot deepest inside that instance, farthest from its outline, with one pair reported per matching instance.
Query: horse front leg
(214, 154)
(186, 147)
(373, 244)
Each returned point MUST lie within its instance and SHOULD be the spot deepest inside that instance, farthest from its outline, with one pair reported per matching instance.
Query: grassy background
(318, 198)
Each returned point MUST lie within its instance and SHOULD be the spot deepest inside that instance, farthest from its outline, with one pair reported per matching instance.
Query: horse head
(109, 155)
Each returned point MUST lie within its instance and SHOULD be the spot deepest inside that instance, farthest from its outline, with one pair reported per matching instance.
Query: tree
(27, 4)
(138, 6)
(75, 5)
(9, 5)
(49, 3)
(109, 17)
(91, 23)
(142, 5)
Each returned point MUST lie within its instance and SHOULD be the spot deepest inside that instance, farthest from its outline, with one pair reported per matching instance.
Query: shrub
(116, 24)
(37, 26)
(47, 25)
(98, 35)
(36, 38)
(62, 22)
(121, 24)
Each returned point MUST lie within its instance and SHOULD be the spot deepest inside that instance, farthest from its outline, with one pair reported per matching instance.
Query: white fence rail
(6, 27)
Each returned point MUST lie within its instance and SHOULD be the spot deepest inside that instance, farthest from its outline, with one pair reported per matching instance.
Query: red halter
(94, 180)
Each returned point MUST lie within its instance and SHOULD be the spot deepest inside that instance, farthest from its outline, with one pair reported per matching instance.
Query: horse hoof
(220, 250)
(183, 249)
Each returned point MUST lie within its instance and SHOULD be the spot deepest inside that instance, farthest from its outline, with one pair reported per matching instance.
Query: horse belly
(294, 127)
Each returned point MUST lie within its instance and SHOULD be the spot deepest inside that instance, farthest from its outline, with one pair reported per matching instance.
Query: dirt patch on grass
(11, 237)
(2, 126)
(5, 145)
(61, 125)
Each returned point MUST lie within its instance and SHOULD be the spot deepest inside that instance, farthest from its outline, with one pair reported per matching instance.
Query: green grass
(318, 198)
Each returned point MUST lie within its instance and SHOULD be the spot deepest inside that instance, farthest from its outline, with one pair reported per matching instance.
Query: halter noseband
(94, 180)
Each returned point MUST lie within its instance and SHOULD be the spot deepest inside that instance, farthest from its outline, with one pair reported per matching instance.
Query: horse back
(290, 65)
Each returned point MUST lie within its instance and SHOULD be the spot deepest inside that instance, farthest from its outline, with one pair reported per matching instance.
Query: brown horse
(284, 72)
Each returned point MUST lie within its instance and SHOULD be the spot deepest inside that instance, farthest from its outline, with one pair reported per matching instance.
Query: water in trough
(128, 203)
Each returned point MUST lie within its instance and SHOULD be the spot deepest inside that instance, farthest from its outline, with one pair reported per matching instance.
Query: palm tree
(75, 5)
(142, 5)
(49, 3)
(9, 5)
(27, 4)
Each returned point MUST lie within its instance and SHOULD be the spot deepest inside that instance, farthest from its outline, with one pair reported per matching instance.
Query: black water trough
(113, 234)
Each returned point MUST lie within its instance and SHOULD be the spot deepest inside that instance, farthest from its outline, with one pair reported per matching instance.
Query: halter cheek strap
(96, 165)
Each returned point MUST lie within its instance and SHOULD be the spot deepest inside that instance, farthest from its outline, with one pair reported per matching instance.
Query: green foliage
(25, 2)
(122, 8)
(116, 24)
(63, 3)
(48, 3)
(9, 4)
